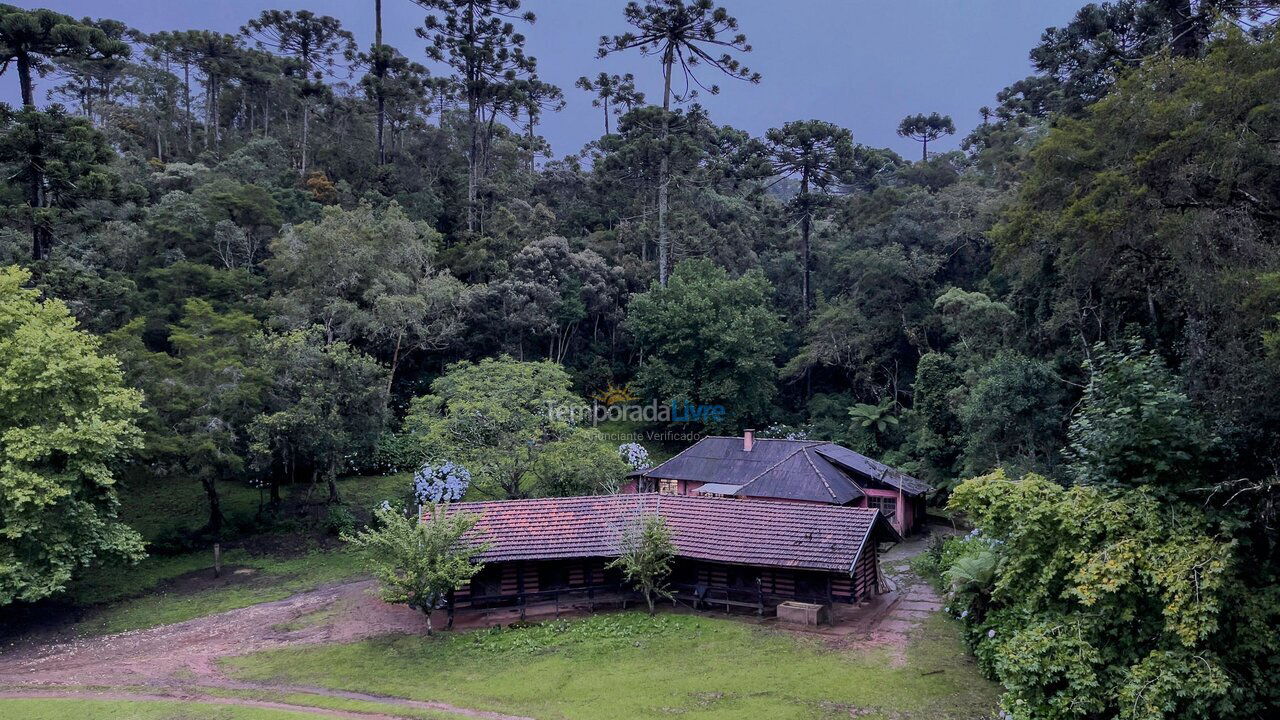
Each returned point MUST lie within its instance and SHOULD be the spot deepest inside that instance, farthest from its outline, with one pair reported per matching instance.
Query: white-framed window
(888, 506)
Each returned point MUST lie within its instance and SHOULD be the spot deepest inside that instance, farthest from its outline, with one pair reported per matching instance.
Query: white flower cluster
(634, 455)
(447, 482)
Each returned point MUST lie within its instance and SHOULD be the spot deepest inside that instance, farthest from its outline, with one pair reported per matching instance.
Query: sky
(861, 64)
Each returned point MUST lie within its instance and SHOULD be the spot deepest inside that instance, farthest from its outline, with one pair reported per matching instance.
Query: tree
(477, 39)
(822, 155)
(418, 562)
(62, 163)
(393, 80)
(31, 38)
(97, 81)
(679, 34)
(315, 42)
(324, 408)
(707, 340)
(217, 56)
(878, 418)
(509, 423)
(646, 558)
(580, 464)
(1111, 604)
(612, 94)
(1012, 414)
(1155, 234)
(1136, 427)
(1082, 60)
(532, 97)
(926, 128)
(67, 419)
(379, 57)
(202, 398)
(366, 274)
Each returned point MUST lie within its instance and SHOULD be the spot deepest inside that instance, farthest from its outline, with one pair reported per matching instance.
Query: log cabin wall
(507, 583)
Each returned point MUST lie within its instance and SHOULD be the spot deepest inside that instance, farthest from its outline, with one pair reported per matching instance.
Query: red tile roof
(758, 532)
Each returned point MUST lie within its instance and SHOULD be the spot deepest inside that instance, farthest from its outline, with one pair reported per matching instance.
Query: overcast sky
(863, 64)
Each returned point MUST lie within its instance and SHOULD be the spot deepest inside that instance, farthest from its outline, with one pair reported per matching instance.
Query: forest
(276, 259)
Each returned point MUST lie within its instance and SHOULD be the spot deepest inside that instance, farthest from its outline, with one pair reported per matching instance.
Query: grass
(62, 709)
(629, 665)
(159, 506)
(141, 596)
(172, 588)
(328, 702)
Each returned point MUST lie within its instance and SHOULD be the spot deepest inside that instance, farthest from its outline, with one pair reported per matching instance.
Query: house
(805, 471)
(730, 553)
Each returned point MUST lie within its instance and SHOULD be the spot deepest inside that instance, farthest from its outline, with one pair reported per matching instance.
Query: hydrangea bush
(634, 455)
(446, 482)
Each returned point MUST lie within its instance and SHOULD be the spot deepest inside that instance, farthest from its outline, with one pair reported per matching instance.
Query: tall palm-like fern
(879, 417)
(972, 573)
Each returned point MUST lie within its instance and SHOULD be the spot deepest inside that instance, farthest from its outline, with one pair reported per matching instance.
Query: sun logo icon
(614, 395)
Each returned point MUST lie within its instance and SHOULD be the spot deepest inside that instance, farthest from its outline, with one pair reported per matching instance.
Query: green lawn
(58, 709)
(171, 588)
(628, 665)
(145, 600)
(155, 506)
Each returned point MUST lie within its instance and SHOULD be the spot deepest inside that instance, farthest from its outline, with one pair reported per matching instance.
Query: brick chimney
(748, 440)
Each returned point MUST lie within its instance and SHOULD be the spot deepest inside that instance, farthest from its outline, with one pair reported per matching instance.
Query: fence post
(217, 560)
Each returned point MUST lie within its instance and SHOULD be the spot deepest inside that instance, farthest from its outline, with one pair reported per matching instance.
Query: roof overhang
(717, 489)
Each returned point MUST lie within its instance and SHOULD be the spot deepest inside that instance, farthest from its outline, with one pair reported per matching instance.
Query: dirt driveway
(180, 661)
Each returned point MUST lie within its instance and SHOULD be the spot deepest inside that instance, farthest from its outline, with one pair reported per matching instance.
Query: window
(888, 506)
(669, 486)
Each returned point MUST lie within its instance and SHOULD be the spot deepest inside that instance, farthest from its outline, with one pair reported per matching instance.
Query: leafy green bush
(339, 520)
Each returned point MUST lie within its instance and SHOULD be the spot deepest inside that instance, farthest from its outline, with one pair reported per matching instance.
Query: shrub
(339, 520)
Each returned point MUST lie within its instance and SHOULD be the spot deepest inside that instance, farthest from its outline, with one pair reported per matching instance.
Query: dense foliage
(66, 421)
(308, 274)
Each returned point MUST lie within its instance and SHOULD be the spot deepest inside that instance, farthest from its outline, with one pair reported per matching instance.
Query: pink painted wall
(906, 508)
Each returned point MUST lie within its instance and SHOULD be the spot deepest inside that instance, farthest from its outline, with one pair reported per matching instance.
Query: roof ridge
(771, 467)
(818, 472)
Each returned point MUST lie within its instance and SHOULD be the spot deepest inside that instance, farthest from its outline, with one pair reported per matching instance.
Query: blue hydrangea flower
(446, 482)
(634, 455)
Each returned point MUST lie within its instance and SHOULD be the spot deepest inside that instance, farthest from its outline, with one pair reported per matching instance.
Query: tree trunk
(40, 236)
(395, 360)
(186, 92)
(664, 170)
(306, 126)
(805, 222)
(648, 598)
(1189, 28)
(924, 152)
(380, 72)
(24, 80)
(332, 477)
(532, 153)
(430, 630)
(473, 108)
(215, 506)
(606, 116)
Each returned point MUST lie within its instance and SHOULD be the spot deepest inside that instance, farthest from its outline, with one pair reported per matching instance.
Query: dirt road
(180, 661)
